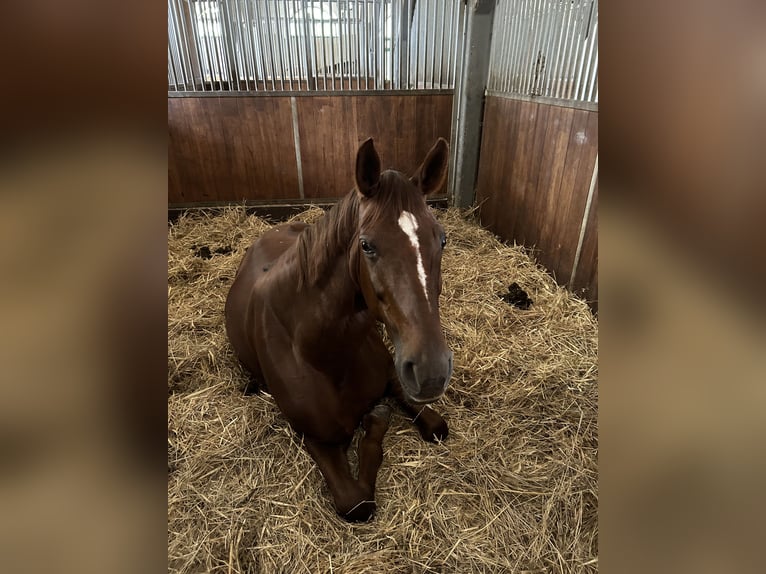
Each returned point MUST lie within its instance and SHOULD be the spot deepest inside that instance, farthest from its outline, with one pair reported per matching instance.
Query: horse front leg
(354, 498)
(431, 424)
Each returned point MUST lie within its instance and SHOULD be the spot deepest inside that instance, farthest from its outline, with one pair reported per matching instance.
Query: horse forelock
(337, 231)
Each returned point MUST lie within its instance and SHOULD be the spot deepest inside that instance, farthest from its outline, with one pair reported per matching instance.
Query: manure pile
(513, 488)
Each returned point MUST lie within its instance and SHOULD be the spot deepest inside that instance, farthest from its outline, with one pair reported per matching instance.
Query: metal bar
(251, 46)
(375, 47)
(305, 93)
(272, 52)
(390, 34)
(577, 63)
(366, 47)
(297, 144)
(324, 45)
(358, 47)
(196, 40)
(332, 44)
(218, 42)
(171, 71)
(555, 50)
(283, 20)
(208, 49)
(559, 102)
(571, 54)
(425, 44)
(265, 49)
(225, 43)
(340, 36)
(593, 80)
(545, 48)
(418, 4)
(433, 48)
(562, 70)
(308, 12)
(441, 47)
(187, 42)
(502, 42)
(409, 42)
(179, 42)
(450, 28)
(584, 224)
(231, 52)
(533, 54)
(582, 84)
(517, 33)
(242, 48)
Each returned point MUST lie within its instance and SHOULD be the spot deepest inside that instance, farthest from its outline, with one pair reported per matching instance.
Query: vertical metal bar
(283, 22)
(433, 47)
(208, 50)
(530, 55)
(340, 42)
(171, 71)
(242, 55)
(409, 43)
(251, 45)
(542, 69)
(448, 42)
(561, 68)
(297, 144)
(313, 75)
(441, 47)
(501, 43)
(220, 45)
(375, 47)
(264, 49)
(425, 44)
(229, 43)
(570, 52)
(173, 38)
(391, 35)
(181, 12)
(418, 4)
(594, 72)
(196, 40)
(366, 45)
(555, 50)
(561, 54)
(584, 223)
(271, 49)
(581, 93)
(516, 32)
(302, 33)
(358, 46)
(332, 44)
(578, 60)
(324, 44)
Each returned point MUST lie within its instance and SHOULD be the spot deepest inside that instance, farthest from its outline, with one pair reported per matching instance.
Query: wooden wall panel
(535, 171)
(332, 127)
(242, 148)
(230, 149)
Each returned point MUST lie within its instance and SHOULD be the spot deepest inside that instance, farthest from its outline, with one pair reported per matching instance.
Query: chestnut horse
(301, 316)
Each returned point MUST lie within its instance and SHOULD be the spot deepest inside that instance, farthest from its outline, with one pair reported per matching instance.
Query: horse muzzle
(424, 381)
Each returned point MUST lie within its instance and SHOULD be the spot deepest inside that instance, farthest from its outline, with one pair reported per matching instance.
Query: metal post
(470, 100)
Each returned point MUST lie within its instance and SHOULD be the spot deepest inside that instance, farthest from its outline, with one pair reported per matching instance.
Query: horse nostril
(409, 369)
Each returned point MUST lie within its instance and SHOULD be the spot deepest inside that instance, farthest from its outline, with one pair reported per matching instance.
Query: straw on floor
(513, 488)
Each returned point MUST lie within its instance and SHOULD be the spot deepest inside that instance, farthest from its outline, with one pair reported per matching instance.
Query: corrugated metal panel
(545, 48)
(317, 45)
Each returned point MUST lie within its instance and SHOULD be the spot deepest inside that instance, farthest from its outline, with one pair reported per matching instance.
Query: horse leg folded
(431, 425)
(354, 498)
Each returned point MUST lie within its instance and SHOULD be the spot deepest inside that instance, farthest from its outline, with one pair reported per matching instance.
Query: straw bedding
(513, 488)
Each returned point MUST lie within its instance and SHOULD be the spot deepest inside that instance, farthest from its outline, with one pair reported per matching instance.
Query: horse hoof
(361, 512)
(435, 433)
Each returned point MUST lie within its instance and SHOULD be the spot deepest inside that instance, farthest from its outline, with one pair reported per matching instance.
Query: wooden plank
(331, 128)
(230, 149)
(534, 175)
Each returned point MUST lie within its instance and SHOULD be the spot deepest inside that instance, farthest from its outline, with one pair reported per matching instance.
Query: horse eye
(367, 248)
(444, 241)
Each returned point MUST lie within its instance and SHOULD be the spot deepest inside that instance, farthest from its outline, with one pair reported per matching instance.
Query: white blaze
(409, 225)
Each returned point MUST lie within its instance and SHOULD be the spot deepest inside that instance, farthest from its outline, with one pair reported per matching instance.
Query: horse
(302, 313)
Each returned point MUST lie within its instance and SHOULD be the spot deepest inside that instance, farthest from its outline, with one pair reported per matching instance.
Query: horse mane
(337, 231)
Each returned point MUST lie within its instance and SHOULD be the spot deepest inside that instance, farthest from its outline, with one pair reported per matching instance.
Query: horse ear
(432, 173)
(367, 168)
